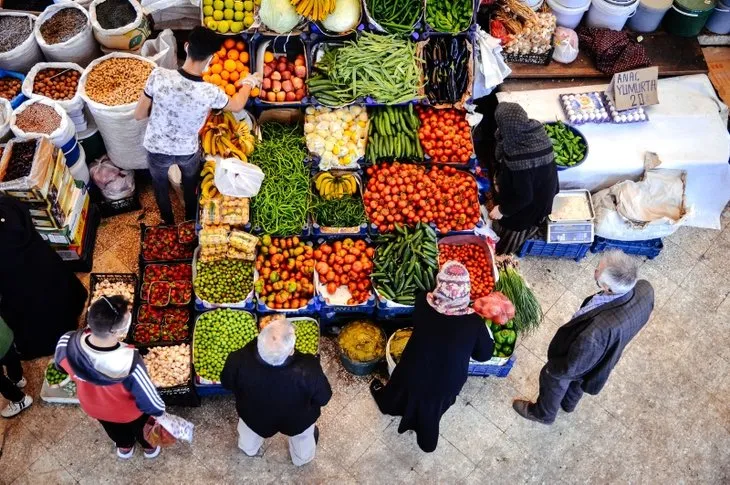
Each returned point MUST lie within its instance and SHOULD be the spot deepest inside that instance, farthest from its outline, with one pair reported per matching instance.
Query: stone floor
(664, 416)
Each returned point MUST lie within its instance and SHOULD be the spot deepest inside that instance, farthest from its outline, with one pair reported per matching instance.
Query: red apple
(271, 96)
(276, 86)
(281, 96)
(290, 96)
(290, 66)
(299, 94)
(299, 61)
(276, 76)
(262, 94)
(286, 75)
(281, 67)
(297, 82)
(267, 71)
(300, 71)
(266, 84)
(282, 59)
(287, 86)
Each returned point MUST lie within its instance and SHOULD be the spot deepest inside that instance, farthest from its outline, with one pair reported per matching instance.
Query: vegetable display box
(168, 243)
(112, 284)
(450, 16)
(487, 369)
(283, 65)
(542, 249)
(178, 395)
(200, 284)
(338, 209)
(649, 248)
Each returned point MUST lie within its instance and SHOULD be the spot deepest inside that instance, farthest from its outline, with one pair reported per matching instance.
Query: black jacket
(587, 348)
(283, 399)
(526, 196)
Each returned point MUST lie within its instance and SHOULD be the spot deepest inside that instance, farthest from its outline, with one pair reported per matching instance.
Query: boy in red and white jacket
(111, 379)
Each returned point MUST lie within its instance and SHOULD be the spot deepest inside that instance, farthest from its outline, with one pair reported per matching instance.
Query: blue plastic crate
(542, 249)
(20, 97)
(328, 311)
(385, 312)
(312, 308)
(207, 390)
(649, 247)
(492, 370)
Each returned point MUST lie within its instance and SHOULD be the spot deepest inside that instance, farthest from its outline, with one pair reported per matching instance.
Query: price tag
(632, 89)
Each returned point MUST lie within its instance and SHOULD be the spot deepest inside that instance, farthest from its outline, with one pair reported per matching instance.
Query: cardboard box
(34, 186)
(73, 232)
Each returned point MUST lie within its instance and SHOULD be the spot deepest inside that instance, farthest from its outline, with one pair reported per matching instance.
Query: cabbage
(279, 15)
(344, 18)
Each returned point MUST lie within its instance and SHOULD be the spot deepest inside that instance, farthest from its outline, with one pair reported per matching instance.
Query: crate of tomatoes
(342, 276)
(477, 256)
(446, 137)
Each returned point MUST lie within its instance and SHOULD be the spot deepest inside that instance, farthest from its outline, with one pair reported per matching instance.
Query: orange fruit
(222, 53)
(234, 76)
(268, 57)
(215, 79)
(206, 78)
(216, 68)
(225, 75)
(229, 43)
(245, 72)
(230, 89)
(240, 66)
(229, 65)
(244, 57)
(232, 54)
(215, 59)
(240, 46)
(255, 92)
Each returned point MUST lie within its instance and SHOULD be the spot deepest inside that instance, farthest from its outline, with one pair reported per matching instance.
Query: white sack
(127, 37)
(81, 48)
(73, 106)
(27, 54)
(6, 112)
(162, 50)
(59, 137)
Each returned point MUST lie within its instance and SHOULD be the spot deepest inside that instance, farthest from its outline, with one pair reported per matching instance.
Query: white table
(688, 130)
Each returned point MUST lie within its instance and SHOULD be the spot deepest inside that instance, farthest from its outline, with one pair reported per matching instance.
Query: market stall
(687, 129)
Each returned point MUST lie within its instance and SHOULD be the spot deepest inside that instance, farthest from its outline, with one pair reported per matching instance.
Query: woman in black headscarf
(526, 177)
(41, 298)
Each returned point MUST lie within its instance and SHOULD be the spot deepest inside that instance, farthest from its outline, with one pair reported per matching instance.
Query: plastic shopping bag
(165, 430)
(115, 184)
(238, 179)
(162, 50)
(566, 45)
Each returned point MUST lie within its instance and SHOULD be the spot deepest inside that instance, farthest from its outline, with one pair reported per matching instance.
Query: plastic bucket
(79, 170)
(569, 16)
(649, 16)
(607, 15)
(359, 368)
(719, 21)
(73, 151)
(688, 22)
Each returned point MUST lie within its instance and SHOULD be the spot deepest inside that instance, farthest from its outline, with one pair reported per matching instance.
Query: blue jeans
(189, 165)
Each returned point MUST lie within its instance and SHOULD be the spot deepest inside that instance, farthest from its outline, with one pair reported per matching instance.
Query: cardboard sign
(632, 89)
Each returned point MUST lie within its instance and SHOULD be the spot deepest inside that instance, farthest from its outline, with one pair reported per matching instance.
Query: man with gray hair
(277, 390)
(586, 349)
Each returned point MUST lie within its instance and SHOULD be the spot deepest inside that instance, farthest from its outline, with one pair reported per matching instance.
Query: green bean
(281, 206)
(395, 16)
(347, 211)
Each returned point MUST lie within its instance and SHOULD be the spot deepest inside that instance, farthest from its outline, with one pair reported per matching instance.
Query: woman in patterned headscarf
(526, 178)
(434, 364)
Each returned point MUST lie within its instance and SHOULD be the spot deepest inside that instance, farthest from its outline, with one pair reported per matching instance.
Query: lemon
(212, 24)
(248, 21)
(223, 26)
(207, 2)
(218, 15)
(207, 10)
(248, 5)
(236, 27)
(218, 5)
(238, 6)
(228, 3)
(228, 14)
(238, 16)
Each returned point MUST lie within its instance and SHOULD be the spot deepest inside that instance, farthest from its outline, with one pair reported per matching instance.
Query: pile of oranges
(229, 65)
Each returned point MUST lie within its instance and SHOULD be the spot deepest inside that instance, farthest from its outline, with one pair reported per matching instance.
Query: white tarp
(687, 130)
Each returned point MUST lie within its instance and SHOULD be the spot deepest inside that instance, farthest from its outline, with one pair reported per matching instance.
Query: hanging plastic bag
(566, 45)
(162, 50)
(115, 184)
(237, 179)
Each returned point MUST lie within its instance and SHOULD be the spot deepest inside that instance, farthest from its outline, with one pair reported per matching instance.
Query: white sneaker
(125, 453)
(149, 454)
(21, 383)
(15, 408)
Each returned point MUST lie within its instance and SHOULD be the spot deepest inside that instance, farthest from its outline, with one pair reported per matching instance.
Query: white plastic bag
(6, 112)
(115, 184)
(178, 427)
(122, 134)
(24, 56)
(127, 37)
(237, 179)
(162, 50)
(74, 106)
(566, 45)
(81, 48)
(491, 69)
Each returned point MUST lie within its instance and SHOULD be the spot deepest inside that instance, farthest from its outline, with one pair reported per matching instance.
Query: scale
(575, 230)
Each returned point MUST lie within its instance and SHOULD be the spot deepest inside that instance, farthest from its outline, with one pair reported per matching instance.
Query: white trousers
(301, 447)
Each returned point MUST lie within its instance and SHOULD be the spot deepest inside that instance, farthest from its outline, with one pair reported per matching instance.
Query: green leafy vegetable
(348, 211)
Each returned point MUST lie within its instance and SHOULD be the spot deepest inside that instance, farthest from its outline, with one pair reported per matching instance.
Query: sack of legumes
(111, 86)
(19, 50)
(119, 24)
(63, 32)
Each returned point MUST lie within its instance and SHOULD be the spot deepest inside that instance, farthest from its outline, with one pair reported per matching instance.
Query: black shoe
(523, 409)
(316, 434)
(376, 385)
(567, 409)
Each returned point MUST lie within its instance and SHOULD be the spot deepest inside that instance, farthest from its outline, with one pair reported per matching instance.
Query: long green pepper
(449, 15)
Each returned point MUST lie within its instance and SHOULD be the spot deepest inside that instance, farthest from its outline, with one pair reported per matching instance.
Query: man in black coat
(586, 349)
(278, 390)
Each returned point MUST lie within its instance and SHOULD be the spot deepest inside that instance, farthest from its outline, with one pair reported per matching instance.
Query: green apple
(238, 16)
(218, 5)
(207, 10)
(228, 14)
(236, 27)
(223, 26)
(218, 15)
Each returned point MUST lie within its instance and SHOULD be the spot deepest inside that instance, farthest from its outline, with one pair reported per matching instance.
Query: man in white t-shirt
(177, 104)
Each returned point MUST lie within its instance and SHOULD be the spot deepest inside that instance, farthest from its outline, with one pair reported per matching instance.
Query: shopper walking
(111, 380)
(278, 390)
(13, 381)
(177, 103)
(435, 362)
(526, 177)
(585, 350)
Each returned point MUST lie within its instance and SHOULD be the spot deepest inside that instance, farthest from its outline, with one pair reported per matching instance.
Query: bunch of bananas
(314, 9)
(208, 189)
(225, 136)
(332, 186)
